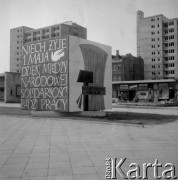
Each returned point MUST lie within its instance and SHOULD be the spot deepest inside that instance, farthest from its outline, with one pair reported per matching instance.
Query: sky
(110, 22)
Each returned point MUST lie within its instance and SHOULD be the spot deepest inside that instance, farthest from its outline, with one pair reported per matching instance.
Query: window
(17, 42)
(158, 25)
(152, 33)
(17, 47)
(171, 65)
(158, 45)
(166, 32)
(158, 19)
(17, 53)
(158, 59)
(152, 19)
(17, 36)
(17, 59)
(171, 23)
(152, 26)
(152, 39)
(171, 30)
(158, 32)
(166, 58)
(171, 72)
(171, 44)
(165, 25)
(171, 58)
(158, 39)
(166, 38)
(171, 37)
(171, 50)
(158, 52)
(17, 65)
(165, 51)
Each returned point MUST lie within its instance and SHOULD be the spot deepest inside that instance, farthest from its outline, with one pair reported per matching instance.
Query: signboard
(155, 86)
(133, 87)
(124, 87)
(143, 86)
(163, 86)
(44, 76)
(93, 90)
(176, 85)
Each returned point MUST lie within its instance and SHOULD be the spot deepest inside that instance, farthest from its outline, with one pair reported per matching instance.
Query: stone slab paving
(66, 149)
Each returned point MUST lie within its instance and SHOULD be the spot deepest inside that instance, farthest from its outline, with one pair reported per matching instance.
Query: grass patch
(128, 118)
(140, 118)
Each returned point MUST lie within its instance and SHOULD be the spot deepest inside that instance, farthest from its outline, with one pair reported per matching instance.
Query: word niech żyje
(38, 53)
(44, 76)
(116, 169)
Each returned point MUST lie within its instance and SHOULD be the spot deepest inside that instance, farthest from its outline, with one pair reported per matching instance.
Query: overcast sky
(110, 22)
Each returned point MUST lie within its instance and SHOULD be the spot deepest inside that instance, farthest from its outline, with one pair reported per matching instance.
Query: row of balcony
(27, 40)
(41, 33)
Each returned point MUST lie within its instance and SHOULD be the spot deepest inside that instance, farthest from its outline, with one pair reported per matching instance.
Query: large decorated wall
(44, 75)
(50, 69)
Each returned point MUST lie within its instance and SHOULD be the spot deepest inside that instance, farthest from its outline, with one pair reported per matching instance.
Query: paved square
(57, 149)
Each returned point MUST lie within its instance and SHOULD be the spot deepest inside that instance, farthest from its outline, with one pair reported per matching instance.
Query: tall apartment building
(157, 44)
(22, 35)
(17, 36)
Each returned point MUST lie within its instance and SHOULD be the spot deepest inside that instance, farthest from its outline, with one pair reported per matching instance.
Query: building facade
(157, 44)
(23, 35)
(2, 78)
(127, 68)
(17, 36)
(163, 90)
(10, 87)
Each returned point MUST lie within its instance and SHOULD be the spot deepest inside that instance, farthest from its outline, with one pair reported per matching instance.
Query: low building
(146, 90)
(10, 87)
(127, 68)
(2, 77)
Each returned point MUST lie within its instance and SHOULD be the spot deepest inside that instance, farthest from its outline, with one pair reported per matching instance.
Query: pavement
(2, 104)
(66, 149)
